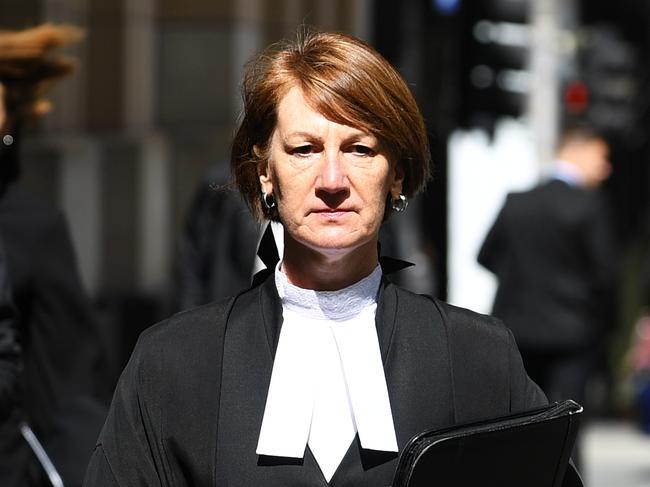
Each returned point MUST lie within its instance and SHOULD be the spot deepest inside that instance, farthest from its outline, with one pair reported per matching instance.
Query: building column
(543, 108)
(78, 158)
(153, 171)
(155, 242)
(247, 39)
(139, 65)
(80, 174)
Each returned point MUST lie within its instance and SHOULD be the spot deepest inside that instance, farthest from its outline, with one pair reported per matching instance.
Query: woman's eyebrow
(362, 137)
(355, 134)
(300, 134)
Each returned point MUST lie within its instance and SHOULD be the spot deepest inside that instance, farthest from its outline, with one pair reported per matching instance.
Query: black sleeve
(524, 393)
(161, 428)
(124, 453)
(487, 366)
(99, 472)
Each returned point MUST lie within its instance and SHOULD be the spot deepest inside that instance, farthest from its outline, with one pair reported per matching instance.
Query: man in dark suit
(552, 253)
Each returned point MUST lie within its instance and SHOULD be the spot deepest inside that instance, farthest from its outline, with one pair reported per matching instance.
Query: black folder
(530, 449)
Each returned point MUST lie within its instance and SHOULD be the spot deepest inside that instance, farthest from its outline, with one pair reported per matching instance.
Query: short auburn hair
(345, 80)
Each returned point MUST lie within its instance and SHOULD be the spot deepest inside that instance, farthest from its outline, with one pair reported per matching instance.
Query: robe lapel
(271, 306)
(414, 346)
(385, 316)
(417, 365)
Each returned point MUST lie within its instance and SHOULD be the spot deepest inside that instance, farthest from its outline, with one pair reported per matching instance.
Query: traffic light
(495, 52)
(606, 91)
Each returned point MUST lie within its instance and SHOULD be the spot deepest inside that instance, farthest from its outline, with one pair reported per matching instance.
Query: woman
(321, 373)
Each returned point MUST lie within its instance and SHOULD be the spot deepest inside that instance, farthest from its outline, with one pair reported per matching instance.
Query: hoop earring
(268, 200)
(400, 203)
(7, 140)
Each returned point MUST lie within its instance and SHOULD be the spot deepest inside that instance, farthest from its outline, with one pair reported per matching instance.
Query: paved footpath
(616, 454)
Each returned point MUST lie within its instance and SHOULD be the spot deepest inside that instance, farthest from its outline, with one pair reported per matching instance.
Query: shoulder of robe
(486, 364)
(478, 337)
(188, 326)
(461, 322)
(488, 376)
(187, 344)
(468, 321)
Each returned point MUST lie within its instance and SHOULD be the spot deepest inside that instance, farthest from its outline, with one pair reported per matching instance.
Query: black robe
(189, 405)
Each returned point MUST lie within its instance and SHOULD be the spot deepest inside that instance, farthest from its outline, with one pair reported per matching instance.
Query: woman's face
(330, 181)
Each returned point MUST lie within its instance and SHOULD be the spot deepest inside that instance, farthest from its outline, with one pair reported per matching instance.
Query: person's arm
(125, 451)
(525, 394)
(492, 247)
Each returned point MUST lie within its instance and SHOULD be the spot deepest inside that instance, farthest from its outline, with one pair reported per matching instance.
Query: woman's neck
(327, 270)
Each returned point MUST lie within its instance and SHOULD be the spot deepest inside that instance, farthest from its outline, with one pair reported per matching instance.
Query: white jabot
(328, 379)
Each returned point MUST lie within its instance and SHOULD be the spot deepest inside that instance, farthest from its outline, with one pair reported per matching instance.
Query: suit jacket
(551, 250)
(188, 407)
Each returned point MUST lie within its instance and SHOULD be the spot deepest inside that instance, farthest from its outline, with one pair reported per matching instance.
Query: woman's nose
(333, 177)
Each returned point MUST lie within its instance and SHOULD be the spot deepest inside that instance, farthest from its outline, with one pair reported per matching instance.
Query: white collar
(340, 305)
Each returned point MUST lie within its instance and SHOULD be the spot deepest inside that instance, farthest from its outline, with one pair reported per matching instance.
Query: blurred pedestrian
(9, 346)
(60, 346)
(638, 355)
(216, 251)
(9, 375)
(639, 362)
(552, 252)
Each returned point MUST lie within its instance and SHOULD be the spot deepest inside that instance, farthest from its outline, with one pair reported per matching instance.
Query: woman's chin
(335, 242)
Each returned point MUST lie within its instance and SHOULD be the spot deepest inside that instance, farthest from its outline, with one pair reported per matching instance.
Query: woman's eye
(303, 150)
(362, 150)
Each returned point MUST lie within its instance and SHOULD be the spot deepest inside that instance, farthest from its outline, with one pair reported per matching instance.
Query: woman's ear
(263, 172)
(398, 181)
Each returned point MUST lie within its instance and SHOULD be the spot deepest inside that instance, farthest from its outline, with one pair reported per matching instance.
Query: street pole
(543, 102)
